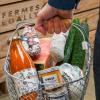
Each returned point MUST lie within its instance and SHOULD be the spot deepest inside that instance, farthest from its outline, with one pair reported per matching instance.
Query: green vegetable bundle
(74, 53)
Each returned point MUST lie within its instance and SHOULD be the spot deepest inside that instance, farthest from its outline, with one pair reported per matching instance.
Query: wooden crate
(91, 15)
(86, 5)
(4, 2)
(27, 10)
(2, 77)
(13, 12)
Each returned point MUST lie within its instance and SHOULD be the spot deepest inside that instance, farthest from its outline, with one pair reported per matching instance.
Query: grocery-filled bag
(73, 87)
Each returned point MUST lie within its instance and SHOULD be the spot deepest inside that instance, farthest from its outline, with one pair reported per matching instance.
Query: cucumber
(69, 43)
(85, 28)
(78, 54)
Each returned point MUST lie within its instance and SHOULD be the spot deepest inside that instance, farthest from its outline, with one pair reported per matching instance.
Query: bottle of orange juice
(23, 68)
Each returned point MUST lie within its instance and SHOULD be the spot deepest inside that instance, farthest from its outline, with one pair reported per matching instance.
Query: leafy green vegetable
(69, 43)
(78, 54)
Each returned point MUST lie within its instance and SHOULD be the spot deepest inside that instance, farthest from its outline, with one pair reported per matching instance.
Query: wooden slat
(92, 16)
(3, 88)
(10, 14)
(2, 2)
(3, 43)
(92, 37)
(2, 76)
(85, 5)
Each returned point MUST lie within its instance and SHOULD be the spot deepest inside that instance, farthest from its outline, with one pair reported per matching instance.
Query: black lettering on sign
(24, 10)
(24, 17)
(18, 18)
(19, 12)
(3, 14)
(37, 7)
(4, 23)
(10, 14)
(16, 12)
(31, 8)
(35, 14)
(11, 21)
(44, 5)
(30, 16)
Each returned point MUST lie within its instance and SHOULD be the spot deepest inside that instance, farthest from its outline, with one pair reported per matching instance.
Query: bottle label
(26, 82)
(51, 78)
(51, 81)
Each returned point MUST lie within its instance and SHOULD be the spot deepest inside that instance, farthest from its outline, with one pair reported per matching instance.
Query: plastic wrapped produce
(71, 73)
(58, 44)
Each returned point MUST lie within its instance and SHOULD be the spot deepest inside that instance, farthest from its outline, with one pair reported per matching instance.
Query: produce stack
(76, 43)
(42, 68)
